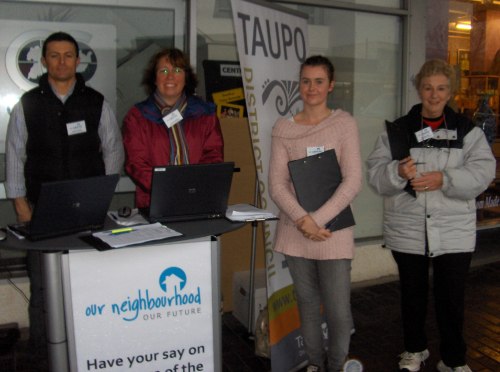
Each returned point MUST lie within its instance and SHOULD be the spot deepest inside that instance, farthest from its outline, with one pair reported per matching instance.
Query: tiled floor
(377, 341)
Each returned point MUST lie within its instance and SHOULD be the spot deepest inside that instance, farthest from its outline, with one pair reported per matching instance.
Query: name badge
(445, 134)
(173, 118)
(315, 150)
(76, 127)
(424, 134)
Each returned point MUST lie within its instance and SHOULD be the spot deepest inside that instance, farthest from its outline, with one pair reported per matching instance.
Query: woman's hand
(407, 168)
(311, 230)
(428, 181)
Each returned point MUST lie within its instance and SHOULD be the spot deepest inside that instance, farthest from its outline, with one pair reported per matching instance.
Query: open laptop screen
(69, 206)
(190, 192)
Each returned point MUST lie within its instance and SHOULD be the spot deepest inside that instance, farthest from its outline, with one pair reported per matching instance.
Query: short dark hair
(320, 61)
(178, 59)
(60, 36)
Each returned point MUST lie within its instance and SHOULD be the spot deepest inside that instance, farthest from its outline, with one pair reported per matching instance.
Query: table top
(83, 240)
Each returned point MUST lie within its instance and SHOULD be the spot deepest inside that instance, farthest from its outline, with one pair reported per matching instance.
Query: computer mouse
(124, 211)
(3, 235)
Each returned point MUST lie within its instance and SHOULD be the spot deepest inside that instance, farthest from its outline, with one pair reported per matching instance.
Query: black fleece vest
(52, 154)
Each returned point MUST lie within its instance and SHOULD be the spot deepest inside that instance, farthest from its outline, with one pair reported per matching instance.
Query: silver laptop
(190, 192)
(70, 206)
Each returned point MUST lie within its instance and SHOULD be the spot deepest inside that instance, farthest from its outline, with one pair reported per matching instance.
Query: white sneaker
(412, 361)
(441, 367)
(353, 365)
(312, 368)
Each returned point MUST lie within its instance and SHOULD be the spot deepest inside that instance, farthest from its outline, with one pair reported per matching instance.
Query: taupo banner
(272, 43)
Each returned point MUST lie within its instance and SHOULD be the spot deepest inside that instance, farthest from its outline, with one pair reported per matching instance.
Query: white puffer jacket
(447, 217)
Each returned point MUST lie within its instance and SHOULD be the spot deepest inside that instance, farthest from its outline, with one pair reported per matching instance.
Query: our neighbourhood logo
(171, 297)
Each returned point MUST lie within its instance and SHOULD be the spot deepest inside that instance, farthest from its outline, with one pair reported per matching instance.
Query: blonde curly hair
(436, 67)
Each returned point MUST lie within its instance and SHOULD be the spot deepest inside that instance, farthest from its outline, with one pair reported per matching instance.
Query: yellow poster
(229, 95)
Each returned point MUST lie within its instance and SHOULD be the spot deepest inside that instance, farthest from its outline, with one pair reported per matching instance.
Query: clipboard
(315, 179)
(400, 146)
(398, 140)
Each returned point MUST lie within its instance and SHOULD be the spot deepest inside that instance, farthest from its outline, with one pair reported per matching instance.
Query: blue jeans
(449, 274)
(327, 283)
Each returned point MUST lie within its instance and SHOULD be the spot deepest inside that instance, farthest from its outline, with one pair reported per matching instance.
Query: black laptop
(70, 206)
(190, 192)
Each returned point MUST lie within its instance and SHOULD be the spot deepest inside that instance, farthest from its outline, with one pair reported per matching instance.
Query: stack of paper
(247, 212)
(134, 235)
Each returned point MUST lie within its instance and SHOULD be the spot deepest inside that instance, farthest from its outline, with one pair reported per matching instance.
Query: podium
(114, 310)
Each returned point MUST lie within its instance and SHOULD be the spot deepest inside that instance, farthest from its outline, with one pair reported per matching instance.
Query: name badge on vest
(173, 118)
(76, 127)
(424, 134)
(315, 150)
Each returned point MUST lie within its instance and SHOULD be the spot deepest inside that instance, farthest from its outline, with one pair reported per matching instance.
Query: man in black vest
(60, 130)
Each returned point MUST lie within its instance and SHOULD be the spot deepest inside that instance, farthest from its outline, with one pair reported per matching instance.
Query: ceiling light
(463, 26)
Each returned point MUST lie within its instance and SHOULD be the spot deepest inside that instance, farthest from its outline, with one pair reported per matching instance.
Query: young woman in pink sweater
(319, 260)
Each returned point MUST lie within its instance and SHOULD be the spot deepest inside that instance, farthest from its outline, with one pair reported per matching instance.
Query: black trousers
(449, 275)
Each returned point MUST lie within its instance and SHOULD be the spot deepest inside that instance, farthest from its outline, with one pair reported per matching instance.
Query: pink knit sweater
(290, 142)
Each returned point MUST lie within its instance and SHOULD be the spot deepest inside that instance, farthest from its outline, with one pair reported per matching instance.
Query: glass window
(366, 50)
(385, 3)
(474, 49)
(116, 42)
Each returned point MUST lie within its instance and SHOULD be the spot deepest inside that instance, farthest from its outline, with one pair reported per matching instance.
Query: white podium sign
(147, 308)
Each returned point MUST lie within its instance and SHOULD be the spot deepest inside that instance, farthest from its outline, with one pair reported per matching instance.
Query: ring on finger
(426, 188)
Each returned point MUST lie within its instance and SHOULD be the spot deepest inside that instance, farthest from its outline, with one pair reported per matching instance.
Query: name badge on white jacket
(424, 134)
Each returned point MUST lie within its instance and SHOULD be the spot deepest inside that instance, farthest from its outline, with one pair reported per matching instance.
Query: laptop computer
(69, 206)
(190, 192)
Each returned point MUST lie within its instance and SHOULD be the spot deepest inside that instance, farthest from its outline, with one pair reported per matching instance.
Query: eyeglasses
(166, 71)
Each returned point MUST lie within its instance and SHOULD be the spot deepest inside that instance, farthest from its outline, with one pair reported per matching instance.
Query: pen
(122, 231)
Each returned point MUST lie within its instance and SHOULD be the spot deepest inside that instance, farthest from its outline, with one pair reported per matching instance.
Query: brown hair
(178, 59)
(320, 61)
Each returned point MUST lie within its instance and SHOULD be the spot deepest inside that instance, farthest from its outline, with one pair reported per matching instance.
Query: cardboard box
(241, 283)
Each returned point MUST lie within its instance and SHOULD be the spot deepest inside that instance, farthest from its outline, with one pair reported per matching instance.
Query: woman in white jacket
(430, 165)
